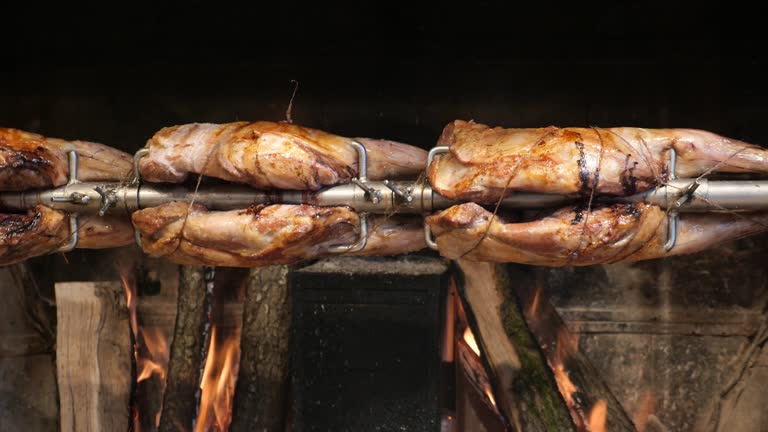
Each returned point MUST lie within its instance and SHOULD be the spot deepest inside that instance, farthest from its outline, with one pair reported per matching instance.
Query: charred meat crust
(38, 232)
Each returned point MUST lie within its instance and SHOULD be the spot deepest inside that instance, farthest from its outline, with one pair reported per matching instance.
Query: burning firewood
(180, 405)
(534, 367)
(262, 383)
(587, 396)
(525, 390)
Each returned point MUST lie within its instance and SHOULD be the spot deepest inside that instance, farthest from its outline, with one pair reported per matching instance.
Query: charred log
(259, 403)
(557, 342)
(179, 405)
(525, 389)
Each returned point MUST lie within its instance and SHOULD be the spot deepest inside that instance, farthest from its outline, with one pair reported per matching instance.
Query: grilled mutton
(264, 235)
(269, 155)
(486, 163)
(30, 161)
(43, 230)
(577, 237)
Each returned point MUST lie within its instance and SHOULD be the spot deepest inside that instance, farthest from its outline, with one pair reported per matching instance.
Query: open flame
(150, 349)
(469, 338)
(471, 342)
(645, 408)
(219, 379)
(156, 363)
(557, 353)
(597, 416)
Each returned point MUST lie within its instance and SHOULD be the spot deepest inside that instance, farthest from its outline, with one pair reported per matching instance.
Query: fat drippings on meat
(271, 155)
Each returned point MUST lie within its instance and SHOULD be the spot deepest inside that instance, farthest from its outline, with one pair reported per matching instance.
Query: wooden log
(260, 395)
(558, 342)
(180, 403)
(525, 390)
(93, 356)
(28, 399)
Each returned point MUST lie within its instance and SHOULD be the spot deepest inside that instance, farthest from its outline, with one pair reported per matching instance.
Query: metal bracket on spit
(372, 194)
(673, 212)
(361, 180)
(430, 157)
(362, 239)
(136, 180)
(75, 197)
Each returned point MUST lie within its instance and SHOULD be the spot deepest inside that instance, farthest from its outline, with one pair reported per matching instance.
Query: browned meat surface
(38, 232)
(394, 235)
(98, 232)
(262, 235)
(620, 232)
(271, 155)
(485, 163)
(43, 230)
(29, 161)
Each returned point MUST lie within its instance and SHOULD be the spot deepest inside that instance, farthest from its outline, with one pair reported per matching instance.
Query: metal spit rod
(114, 198)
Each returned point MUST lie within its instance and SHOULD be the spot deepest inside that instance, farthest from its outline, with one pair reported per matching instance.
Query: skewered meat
(621, 232)
(485, 163)
(262, 235)
(271, 155)
(43, 230)
(29, 161)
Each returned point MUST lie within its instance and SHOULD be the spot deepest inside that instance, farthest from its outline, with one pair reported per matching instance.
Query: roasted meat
(486, 163)
(262, 235)
(577, 237)
(43, 231)
(271, 155)
(30, 161)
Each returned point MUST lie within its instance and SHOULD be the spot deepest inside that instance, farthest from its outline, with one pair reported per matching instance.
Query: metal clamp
(136, 158)
(673, 215)
(362, 173)
(406, 195)
(361, 242)
(74, 222)
(434, 151)
(428, 237)
(136, 180)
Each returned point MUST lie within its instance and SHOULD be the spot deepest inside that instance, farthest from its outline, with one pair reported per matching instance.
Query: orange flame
(157, 361)
(219, 379)
(597, 416)
(469, 338)
(645, 408)
(533, 310)
(150, 350)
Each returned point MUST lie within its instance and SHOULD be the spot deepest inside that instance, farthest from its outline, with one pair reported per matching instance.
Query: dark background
(117, 72)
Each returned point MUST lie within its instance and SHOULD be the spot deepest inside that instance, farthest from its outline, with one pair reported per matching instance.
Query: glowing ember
(469, 338)
(597, 416)
(219, 379)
